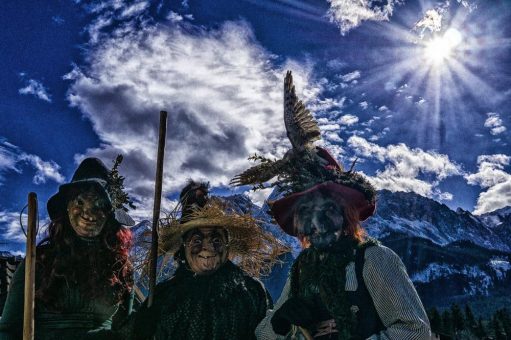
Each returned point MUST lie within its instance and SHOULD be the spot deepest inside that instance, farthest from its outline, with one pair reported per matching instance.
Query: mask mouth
(321, 229)
(89, 218)
(208, 263)
(322, 239)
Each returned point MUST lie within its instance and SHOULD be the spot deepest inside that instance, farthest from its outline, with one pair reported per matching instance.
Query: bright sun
(441, 48)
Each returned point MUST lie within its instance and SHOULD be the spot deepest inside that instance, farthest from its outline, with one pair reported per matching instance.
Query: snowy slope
(414, 215)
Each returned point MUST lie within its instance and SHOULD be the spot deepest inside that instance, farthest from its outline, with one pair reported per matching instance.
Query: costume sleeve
(394, 296)
(264, 330)
(264, 299)
(139, 324)
(11, 322)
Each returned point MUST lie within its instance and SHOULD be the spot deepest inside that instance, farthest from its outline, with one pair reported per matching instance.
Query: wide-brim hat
(283, 209)
(252, 248)
(91, 172)
(347, 187)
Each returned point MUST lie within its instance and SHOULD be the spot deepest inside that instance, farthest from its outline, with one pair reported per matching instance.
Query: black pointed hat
(91, 172)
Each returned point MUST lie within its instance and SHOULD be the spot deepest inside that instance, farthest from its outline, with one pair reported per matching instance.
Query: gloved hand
(295, 311)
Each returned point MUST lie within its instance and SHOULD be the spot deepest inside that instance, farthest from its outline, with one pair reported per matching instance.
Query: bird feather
(301, 127)
(258, 173)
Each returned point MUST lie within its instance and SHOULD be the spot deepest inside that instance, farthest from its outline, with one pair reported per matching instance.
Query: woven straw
(253, 249)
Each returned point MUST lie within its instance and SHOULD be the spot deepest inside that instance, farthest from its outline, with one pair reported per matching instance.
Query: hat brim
(173, 237)
(57, 204)
(253, 248)
(284, 208)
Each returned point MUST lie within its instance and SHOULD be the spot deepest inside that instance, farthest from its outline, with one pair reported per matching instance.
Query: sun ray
(479, 89)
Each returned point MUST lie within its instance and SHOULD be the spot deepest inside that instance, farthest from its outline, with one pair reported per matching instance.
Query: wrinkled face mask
(205, 249)
(88, 213)
(320, 219)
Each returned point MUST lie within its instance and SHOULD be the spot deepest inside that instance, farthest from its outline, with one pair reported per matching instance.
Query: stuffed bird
(302, 130)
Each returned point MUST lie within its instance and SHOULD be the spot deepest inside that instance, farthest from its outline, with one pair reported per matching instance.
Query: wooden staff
(156, 209)
(28, 311)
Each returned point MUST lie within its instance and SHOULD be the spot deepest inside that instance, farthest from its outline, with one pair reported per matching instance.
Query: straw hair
(253, 249)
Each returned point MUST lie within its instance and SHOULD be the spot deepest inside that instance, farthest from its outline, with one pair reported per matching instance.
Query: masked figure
(343, 285)
(210, 297)
(83, 274)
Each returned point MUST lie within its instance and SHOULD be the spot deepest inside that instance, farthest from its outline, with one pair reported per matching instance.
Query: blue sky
(418, 91)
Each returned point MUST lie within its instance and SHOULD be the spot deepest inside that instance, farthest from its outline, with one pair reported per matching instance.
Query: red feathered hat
(348, 187)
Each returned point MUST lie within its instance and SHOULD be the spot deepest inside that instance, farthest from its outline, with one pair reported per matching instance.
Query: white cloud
(432, 22)
(330, 127)
(326, 104)
(174, 17)
(44, 170)
(10, 226)
(8, 159)
(445, 196)
(498, 130)
(350, 76)
(135, 9)
(364, 105)
(108, 13)
(12, 158)
(496, 197)
(368, 122)
(348, 14)
(336, 64)
(348, 120)
(37, 89)
(403, 166)
(497, 182)
(494, 122)
(332, 137)
(223, 96)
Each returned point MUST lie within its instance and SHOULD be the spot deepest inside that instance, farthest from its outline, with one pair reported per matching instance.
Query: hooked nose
(316, 222)
(207, 244)
(88, 214)
(90, 210)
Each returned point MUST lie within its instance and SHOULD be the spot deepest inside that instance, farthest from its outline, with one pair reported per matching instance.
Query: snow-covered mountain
(500, 223)
(460, 272)
(415, 215)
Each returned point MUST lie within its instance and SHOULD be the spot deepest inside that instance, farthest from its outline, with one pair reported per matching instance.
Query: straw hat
(253, 249)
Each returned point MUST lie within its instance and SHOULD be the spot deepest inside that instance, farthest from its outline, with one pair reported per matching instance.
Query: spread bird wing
(302, 129)
(258, 174)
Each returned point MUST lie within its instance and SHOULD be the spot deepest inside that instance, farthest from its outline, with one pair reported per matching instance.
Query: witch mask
(320, 219)
(205, 249)
(88, 213)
